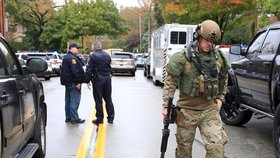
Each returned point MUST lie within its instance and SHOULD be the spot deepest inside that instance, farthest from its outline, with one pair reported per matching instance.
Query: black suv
(23, 110)
(254, 82)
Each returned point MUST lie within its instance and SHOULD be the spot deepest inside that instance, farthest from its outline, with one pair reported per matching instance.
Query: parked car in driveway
(123, 63)
(23, 109)
(47, 73)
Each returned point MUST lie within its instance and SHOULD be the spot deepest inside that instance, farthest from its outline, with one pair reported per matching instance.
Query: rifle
(170, 119)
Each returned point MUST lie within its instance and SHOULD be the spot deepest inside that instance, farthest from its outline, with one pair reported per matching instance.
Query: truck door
(11, 121)
(245, 67)
(25, 94)
(263, 66)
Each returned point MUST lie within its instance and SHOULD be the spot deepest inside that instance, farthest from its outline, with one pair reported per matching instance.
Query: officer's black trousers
(102, 89)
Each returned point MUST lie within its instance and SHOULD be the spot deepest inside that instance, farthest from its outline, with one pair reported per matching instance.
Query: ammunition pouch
(195, 88)
(198, 86)
(211, 89)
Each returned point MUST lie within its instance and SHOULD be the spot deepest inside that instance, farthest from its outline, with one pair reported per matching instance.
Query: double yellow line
(84, 147)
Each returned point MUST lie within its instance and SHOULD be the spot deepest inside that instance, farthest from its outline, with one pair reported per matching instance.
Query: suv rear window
(122, 56)
(44, 57)
(52, 56)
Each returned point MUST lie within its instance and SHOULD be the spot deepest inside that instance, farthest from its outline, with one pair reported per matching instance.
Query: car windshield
(122, 56)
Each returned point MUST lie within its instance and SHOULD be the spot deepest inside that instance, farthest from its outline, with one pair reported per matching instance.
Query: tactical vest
(200, 74)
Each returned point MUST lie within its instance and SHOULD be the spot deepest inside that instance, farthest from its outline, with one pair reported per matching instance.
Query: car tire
(145, 72)
(58, 73)
(231, 113)
(157, 83)
(40, 136)
(276, 131)
(47, 78)
(133, 73)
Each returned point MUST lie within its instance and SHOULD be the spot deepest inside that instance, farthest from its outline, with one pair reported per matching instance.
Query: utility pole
(2, 17)
(149, 30)
(140, 33)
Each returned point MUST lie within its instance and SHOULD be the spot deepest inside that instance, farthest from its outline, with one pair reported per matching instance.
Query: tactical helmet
(209, 29)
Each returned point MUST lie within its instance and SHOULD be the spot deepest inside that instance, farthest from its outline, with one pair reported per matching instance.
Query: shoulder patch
(74, 61)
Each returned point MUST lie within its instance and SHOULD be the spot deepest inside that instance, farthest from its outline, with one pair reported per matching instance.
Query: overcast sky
(125, 3)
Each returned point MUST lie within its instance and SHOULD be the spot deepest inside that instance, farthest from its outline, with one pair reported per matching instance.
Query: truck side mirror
(235, 50)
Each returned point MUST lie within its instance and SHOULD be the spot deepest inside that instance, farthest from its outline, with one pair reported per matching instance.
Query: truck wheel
(231, 113)
(276, 131)
(148, 73)
(47, 78)
(157, 83)
(40, 137)
(145, 72)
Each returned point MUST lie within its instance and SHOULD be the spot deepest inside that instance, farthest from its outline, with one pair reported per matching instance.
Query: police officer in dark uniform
(72, 75)
(99, 72)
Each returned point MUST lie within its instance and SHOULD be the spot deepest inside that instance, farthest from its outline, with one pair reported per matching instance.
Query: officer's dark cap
(74, 45)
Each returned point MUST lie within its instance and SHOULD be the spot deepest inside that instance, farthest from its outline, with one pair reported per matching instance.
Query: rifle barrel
(162, 155)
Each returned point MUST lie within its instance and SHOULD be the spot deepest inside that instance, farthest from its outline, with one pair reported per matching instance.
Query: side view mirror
(235, 50)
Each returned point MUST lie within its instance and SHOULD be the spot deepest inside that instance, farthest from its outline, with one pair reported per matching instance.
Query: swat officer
(200, 72)
(99, 72)
(72, 75)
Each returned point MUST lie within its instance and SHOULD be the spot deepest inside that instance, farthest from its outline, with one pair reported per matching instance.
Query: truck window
(178, 37)
(257, 43)
(11, 63)
(271, 42)
(2, 69)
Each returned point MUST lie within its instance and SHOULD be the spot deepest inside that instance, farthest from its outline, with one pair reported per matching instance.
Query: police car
(56, 61)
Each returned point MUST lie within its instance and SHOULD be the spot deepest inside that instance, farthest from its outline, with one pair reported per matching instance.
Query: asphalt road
(136, 131)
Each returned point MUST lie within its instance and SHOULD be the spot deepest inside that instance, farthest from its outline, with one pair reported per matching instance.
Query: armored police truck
(165, 41)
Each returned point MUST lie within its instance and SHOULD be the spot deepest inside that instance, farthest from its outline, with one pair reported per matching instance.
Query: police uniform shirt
(99, 64)
(72, 70)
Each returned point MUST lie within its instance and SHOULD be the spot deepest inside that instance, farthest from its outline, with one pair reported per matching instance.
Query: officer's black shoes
(68, 120)
(97, 122)
(110, 121)
(78, 121)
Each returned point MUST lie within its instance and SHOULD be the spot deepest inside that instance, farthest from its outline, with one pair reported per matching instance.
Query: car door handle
(4, 97)
(250, 63)
(266, 63)
(22, 92)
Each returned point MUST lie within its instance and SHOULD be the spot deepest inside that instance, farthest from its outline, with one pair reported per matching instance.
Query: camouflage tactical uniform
(197, 92)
